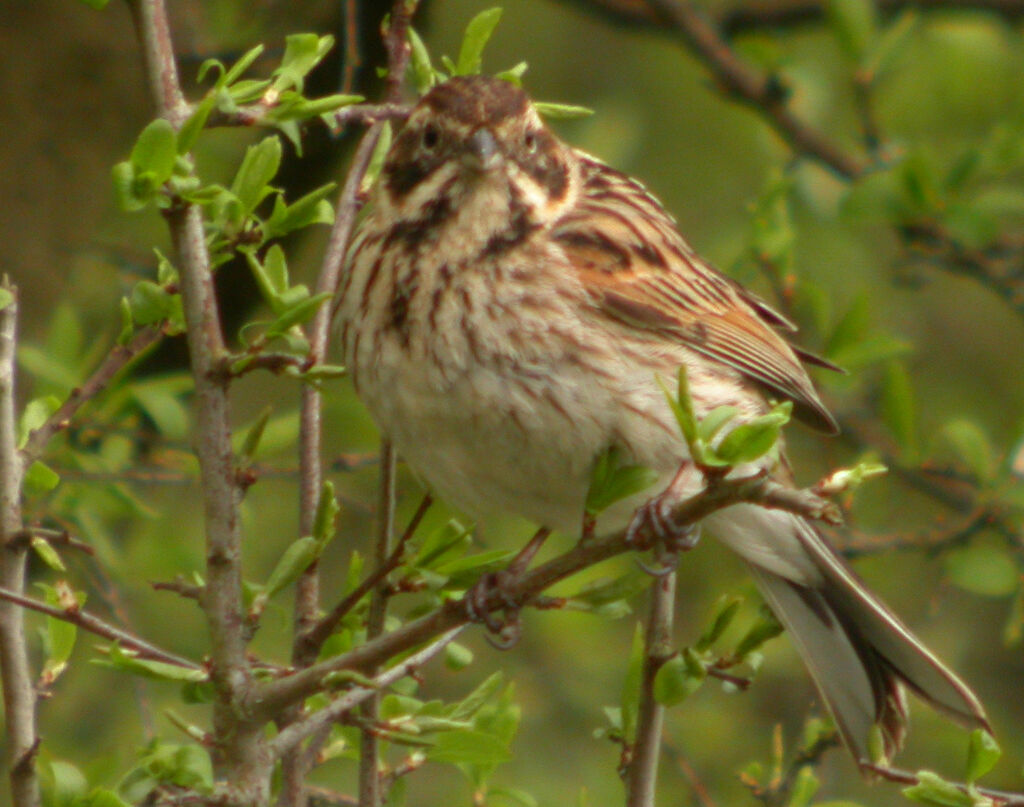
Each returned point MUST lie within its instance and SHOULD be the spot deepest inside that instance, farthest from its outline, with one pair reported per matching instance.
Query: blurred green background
(71, 104)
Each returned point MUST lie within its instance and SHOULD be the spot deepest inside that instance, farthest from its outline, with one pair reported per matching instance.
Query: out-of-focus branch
(999, 798)
(119, 357)
(642, 773)
(16, 674)
(764, 92)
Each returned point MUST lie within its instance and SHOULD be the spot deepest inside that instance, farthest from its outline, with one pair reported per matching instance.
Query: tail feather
(858, 653)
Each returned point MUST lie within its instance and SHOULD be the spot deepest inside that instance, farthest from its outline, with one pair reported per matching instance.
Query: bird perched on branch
(507, 307)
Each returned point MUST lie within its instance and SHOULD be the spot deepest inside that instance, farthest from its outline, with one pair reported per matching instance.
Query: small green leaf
(258, 168)
(931, 789)
(475, 700)
(751, 440)
(60, 634)
(891, 44)
(312, 208)
(63, 783)
(126, 194)
(254, 434)
(983, 753)
(561, 111)
(423, 75)
(478, 32)
(297, 314)
(101, 797)
(984, 569)
(630, 698)
(898, 410)
(327, 510)
(40, 478)
(6, 297)
(302, 52)
(612, 481)
(726, 611)
(295, 560)
(127, 661)
(678, 678)
(514, 75)
(243, 64)
(151, 305)
(155, 151)
(457, 656)
(194, 124)
(36, 413)
(804, 787)
(714, 420)
(47, 554)
(376, 163)
(854, 23)
(469, 748)
(767, 627)
(682, 408)
(971, 446)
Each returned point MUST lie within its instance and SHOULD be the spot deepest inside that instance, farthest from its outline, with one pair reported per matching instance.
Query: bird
(507, 306)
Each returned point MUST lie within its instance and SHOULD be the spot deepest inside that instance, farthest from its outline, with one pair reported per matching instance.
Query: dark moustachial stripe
(518, 230)
(413, 232)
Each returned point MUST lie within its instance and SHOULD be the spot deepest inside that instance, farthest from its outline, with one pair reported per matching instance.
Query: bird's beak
(483, 149)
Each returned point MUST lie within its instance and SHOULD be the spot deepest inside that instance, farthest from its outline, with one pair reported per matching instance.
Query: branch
(1001, 798)
(15, 672)
(103, 629)
(240, 742)
(117, 359)
(765, 93)
(524, 589)
(646, 750)
(290, 737)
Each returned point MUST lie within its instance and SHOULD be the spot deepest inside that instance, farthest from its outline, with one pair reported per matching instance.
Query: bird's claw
(502, 634)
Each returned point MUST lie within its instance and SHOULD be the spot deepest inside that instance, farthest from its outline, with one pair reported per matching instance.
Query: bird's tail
(859, 654)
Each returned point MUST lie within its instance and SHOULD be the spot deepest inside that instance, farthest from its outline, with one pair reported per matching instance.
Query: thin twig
(94, 624)
(325, 627)
(369, 743)
(52, 537)
(16, 673)
(765, 93)
(642, 773)
(119, 357)
(1001, 798)
(300, 730)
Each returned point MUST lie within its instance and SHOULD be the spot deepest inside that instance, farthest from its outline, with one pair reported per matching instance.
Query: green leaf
(630, 698)
(151, 305)
(854, 23)
(312, 208)
(101, 797)
(457, 656)
(514, 75)
(679, 677)
(612, 480)
(713, 422)
(302, 52)
(891, 44)
(327, 510)
(40, 478)
(60, 634)
(751, 440)
(243, 64)
(983, 753)
(47, 554)
(475, 700)
(36, 413)
(376, 162)
(682, 408)
(258, 168)
(561, 111)
(297, 314)
(195, 123)
(423, 75)
(767, 627)
(469, 748)
(933, 790)
(127, 194)
(63, 783)
(727, 608)
(155, 151)
(128, 661)
(295, 560)
(971, 445)
(254, 435)
(478, 31)
(159, 401)
(898, 410)
(97, 4)
(6, 297)
(984, 569)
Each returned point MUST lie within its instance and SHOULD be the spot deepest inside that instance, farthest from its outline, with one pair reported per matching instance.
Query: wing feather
(639, 271)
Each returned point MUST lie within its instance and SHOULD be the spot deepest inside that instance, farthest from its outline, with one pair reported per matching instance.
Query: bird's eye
(430, 136)
(530, 141)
